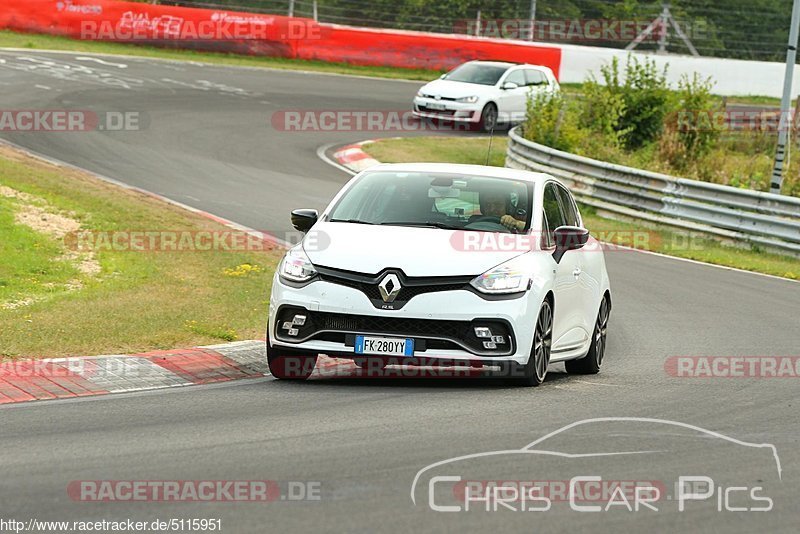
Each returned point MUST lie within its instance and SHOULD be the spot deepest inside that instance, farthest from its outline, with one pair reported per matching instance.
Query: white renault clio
(438, 264)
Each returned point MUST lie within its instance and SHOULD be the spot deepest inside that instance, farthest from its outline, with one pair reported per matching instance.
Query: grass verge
(58, 298)
(661, 239)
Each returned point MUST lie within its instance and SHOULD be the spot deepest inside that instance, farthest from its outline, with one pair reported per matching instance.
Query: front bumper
(441, 323)
(454, 111)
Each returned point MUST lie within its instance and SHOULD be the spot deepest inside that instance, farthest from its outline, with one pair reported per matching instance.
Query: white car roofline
(470, 170)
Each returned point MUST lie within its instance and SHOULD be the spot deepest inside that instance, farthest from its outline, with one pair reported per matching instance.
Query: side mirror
(443, 76)
(303, 220)
(509, 86)
(569, 238)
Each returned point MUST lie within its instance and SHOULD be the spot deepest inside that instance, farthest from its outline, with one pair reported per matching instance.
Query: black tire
(534, 372)
(290, 365)
(489, 117)
(590, 364)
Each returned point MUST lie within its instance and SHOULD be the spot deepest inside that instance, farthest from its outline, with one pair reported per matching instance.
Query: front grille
(410, 287)
(436, 333)
(393, 325)
(444, 112)
(433, 97)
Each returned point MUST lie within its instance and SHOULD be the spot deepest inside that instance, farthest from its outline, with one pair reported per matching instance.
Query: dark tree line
(748, 29)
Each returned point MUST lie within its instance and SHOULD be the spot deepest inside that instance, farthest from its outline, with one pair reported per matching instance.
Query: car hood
(450, 89)
(416, 251)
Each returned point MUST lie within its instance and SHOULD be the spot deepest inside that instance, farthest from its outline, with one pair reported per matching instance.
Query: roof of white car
(508, 64)
(467, 170)
(495, 63)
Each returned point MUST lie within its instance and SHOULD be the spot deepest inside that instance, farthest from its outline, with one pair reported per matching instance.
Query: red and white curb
(354, 158)
(59, 378)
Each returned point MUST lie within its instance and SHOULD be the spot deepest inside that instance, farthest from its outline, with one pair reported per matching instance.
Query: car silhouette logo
(389, 287)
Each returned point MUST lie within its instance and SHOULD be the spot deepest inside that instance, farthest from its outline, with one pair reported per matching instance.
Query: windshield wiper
(427, 224)
(353, 221)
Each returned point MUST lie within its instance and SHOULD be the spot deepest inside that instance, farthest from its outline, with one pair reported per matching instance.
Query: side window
(535, 77)
(570, 211)
(517, 77)
(552, 213)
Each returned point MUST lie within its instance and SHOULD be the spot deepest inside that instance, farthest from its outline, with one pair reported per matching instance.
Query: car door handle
(577, 272)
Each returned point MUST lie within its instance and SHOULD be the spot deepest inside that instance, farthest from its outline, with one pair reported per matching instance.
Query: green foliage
(627, 109)
(551, 121)
(734, 28)
(602, 110)
(640, 122)
(696, 134)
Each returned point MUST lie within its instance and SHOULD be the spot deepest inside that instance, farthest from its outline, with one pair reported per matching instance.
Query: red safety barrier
(257, 34)
(366, 46)
(177, 27)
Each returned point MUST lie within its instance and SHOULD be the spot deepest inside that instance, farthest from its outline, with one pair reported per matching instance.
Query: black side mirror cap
(303, 220)
(569, 238)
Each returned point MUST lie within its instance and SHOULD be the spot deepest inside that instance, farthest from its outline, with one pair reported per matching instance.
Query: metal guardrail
(742, 215)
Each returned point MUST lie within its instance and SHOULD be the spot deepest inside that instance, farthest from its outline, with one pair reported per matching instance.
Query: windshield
(437, 200)
(476, 73)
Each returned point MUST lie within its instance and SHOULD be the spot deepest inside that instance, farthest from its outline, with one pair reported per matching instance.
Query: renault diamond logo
(389, 287)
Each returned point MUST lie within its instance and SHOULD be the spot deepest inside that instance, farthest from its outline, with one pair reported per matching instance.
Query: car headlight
(420, 94)
(503, 279)
(296, 267)
(467, 99)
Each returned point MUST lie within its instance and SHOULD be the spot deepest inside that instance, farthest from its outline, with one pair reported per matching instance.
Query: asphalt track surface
(209, 143)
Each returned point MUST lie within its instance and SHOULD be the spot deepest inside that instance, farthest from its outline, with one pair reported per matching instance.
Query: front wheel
(590, 364)
(534, 372)
(286, 365)
(489, 117)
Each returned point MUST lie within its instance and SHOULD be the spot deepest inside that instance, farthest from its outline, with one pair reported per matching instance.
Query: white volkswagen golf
(439, 264)
(486, 94)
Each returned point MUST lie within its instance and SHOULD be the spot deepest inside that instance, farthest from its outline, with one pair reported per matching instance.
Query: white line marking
(205, 64)
(43, 87)
(108, 63)
(321, 154)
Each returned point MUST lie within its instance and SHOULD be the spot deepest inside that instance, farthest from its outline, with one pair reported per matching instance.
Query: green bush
(602, 110)
(551, 120)
(696, 100)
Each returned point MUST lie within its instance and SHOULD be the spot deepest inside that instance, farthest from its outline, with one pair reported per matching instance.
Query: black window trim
(572, 201)
(550, 244)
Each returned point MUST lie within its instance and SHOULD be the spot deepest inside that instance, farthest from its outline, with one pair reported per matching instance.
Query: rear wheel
(534, 372)
(290, 365)
(590, 364)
